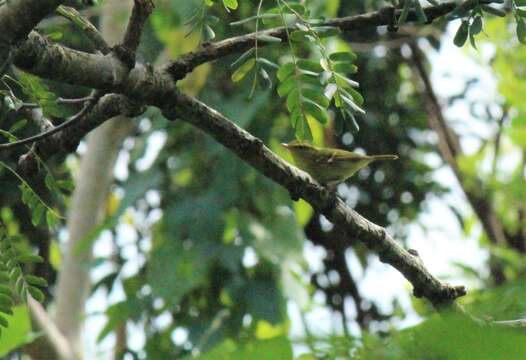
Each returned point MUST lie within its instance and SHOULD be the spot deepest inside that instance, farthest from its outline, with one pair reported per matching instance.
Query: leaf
(285, 87)
(51, 219)
(36, 293)
(300, 35)
(37, 212)
(521, 31)
(420, 14)
(230, 4)
(302, 129)
(267, 62)
(316, 111)
(462, 34)
(17, 126)
(268, 39)
(316, 96)
(285, 71)
(326, 31)
(208, 33)
(29, 259)
(19, 332)
(243, 70)
(405, 11)
(36, 280)
(346, 56)
(309, 65)
(476, 26)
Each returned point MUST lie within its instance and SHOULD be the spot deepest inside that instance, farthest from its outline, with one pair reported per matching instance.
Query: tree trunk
(93, 183)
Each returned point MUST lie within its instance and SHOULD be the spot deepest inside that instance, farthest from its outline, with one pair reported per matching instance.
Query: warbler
(330, 166)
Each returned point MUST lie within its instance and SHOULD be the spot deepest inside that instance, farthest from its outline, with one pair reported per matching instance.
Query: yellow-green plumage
(330, 165)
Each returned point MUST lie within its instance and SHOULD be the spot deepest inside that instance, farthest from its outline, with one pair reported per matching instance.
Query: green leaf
(37, 212)
(316, 96)
(208, 33)
(302, 129)
(3, 322)
(6, 290)
(293, 100)
(6, 301)
(267, 62)
(268, 39)
(6, 310)
(355, 95)
(285, 71)
(301, 36)
(476, 26)
(309, 65)
(19, 332)
(326, 31)
(17, 126)
(285, 87)
(230, 4)
(29, 259)
(243, 70)
(345, 56)
(420, 14)
(345, 68)
(521, 30)
(36, 293)
(462, 34)
(405, 12)
(243, 57)
(36, 280)
(316, 111)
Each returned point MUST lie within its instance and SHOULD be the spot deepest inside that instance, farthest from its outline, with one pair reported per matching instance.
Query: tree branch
(54, 345)
(154, 87)
(213, 51)
(17, 19)
(300, 184)
(140, 13)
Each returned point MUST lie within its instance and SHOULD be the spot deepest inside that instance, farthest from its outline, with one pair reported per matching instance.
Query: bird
(330, 166)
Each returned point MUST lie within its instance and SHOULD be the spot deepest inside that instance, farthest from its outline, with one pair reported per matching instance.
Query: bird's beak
(285, 145)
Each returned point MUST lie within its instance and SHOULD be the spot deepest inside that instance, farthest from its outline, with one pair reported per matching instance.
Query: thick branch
(54, 345)
(17, 19)
(157, 88)
(299, 183)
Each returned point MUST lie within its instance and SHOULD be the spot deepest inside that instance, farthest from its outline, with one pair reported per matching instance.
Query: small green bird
(330, 166)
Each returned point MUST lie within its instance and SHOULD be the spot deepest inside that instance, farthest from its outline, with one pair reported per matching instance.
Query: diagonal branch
(251, 150)
(17, 19)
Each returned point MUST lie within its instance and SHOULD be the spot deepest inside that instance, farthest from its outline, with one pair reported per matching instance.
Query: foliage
(14, 284)
(216, 251)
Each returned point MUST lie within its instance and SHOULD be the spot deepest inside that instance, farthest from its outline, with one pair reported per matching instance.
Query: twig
(213, 51)
(140, 13)
(498, 137)
(70, 121)
(86, 27)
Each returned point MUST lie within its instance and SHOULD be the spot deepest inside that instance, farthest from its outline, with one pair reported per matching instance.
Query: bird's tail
(384, 157)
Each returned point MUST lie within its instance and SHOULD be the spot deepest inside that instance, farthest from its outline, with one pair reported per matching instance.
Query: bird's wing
(342, 155)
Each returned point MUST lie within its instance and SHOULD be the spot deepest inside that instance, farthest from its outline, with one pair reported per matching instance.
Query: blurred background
(199, 256)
